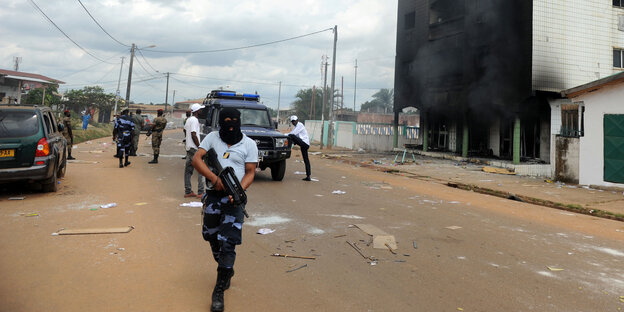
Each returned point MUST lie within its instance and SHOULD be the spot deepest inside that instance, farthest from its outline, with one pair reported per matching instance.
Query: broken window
(571, 125)
(617, 58)
(441, 11)
(410, 20)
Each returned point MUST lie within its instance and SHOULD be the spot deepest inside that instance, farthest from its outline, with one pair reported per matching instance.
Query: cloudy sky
(366, 32)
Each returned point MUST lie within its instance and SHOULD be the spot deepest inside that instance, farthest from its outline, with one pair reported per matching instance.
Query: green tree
(89, 97)
(51, 97)
(303, 104)
(382, 102)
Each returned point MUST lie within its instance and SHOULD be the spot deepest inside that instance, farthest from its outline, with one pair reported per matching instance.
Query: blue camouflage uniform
(124, 127)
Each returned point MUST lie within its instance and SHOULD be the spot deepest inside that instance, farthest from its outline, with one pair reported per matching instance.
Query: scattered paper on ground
(453, 227)
(117, 230)
(300, 173)
(498, 170)
(380, 238)
(265, 231)
(78, 161)
(32, 214)
(192, 204)
(314, 180)
(554, 269)
(17, 198)
(141, 204)
(339, 192)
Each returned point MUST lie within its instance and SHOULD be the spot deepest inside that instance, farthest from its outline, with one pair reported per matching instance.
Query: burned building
(487, 74)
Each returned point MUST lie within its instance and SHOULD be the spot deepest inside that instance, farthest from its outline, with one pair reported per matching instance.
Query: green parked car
(32, 147)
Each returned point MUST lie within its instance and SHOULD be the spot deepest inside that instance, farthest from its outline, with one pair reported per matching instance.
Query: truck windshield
(254, 117)
(16, 123)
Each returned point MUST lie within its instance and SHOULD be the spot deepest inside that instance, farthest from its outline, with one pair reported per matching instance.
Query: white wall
(345, 134)
(607, 100)
(573, 42)
(555, 126)
(495, 137)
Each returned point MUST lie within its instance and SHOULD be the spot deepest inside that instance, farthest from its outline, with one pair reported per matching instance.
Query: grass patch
(94, 131)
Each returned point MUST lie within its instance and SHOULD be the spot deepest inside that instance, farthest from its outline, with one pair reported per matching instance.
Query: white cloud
(366, 31)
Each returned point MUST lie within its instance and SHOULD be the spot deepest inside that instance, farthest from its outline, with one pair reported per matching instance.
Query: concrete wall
(607, 100)
(346, 136)
(545, 140)
(573, 42)
(567, 159)
(495, 137)
(555, 126)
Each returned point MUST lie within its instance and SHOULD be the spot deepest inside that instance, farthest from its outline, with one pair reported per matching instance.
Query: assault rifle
(228, 178)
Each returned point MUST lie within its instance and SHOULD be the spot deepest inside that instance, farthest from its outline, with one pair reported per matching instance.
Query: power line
(244, 47)
(145, 59)
(145, 69)
(67, 36)
(102, 28)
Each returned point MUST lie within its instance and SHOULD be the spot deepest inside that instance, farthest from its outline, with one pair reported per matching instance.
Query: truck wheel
(278, 169)
(50, 184)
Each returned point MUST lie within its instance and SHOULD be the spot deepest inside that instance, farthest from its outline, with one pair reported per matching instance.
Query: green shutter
(614, 148)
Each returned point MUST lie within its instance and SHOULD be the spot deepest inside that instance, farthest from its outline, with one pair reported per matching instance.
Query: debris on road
(343, 235)
(390, 248)
(339, 192)
(106, 206)
(291, 256)
(17, 198)
(498, 170)
(415, 245)
(297, 268)
(140, 204)
(34, 214)
(380, 238)
(265, 231)
(554, 269)
(118, 230)
(78, 161)
(453, 227)
(300, 173)
(192, 204)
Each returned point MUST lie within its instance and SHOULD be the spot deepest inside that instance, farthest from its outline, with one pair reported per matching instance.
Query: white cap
(293, 117)
(195, 107)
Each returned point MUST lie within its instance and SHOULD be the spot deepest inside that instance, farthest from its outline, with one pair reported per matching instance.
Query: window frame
(621, 52)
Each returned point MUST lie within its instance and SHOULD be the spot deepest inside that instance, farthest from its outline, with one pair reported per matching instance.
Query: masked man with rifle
(222, 217)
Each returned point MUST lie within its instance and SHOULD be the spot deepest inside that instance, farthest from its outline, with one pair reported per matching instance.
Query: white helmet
(293, 117)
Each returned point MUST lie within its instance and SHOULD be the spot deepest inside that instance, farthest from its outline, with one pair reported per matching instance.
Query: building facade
(487, 74)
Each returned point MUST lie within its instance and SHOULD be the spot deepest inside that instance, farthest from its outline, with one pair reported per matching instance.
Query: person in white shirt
(299, 136)
(191, 131)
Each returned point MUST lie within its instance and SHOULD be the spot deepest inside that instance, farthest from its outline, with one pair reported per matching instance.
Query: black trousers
(304, 151)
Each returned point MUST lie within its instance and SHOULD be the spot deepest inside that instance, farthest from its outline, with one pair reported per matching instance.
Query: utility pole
(279, 95)
(324, 100)
(311, 115)
(118, 83)
(355, 88)
(130, 76)
(330, 134)
(172, 102)
(167, 93)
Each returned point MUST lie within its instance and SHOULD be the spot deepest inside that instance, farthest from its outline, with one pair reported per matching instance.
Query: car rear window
(15, 123)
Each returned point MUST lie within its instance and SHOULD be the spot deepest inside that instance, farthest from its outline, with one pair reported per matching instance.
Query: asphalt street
(457, 250)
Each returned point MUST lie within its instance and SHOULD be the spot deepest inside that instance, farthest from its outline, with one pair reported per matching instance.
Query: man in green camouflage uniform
(67, 133)
(157, 128)
(138, 125)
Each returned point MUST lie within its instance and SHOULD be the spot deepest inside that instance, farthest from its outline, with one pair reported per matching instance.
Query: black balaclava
(228, 136)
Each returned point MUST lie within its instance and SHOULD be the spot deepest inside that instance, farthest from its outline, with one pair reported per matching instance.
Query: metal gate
(614, 148)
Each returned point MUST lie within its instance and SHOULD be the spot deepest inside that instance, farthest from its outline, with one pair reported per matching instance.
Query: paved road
(474, 252)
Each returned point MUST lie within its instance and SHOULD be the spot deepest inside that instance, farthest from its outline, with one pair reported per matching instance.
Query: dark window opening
(571, 125)
(618, 3)
(617, 58)
(410, 20)
(441, 11)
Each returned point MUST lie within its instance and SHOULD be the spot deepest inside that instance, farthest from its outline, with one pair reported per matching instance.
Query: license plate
(7, 153)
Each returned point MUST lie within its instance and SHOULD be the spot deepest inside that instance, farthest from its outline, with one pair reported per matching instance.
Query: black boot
(70, 157)
(127, 163)
(155, 160)
(223, 276)
(120, 156)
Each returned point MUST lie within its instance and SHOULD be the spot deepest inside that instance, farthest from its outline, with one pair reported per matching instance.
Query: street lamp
(130, 71)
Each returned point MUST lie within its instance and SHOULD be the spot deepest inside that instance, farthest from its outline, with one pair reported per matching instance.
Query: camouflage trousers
(69, 143)
(156, 140)
(222, 225)
(135, 141)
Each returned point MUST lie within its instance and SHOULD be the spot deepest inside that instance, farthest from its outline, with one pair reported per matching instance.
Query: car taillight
(43, 148)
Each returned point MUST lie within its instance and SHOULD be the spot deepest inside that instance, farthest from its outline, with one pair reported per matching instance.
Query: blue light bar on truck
(226, 94)
(251, 96)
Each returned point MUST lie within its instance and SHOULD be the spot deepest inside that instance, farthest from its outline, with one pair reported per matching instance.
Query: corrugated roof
(28, 76)
(593, 86)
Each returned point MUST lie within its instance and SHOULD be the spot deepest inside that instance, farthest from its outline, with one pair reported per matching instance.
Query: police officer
(67, 133)
(123, 131)
(299, 136)
(223, 221)
(157, 128)
(138, 126)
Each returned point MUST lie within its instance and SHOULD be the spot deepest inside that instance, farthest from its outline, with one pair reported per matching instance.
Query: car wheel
(62, 167)
(50, 184)
(277, 170)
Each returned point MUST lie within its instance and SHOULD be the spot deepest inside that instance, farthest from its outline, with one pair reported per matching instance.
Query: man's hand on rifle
(218, 186)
